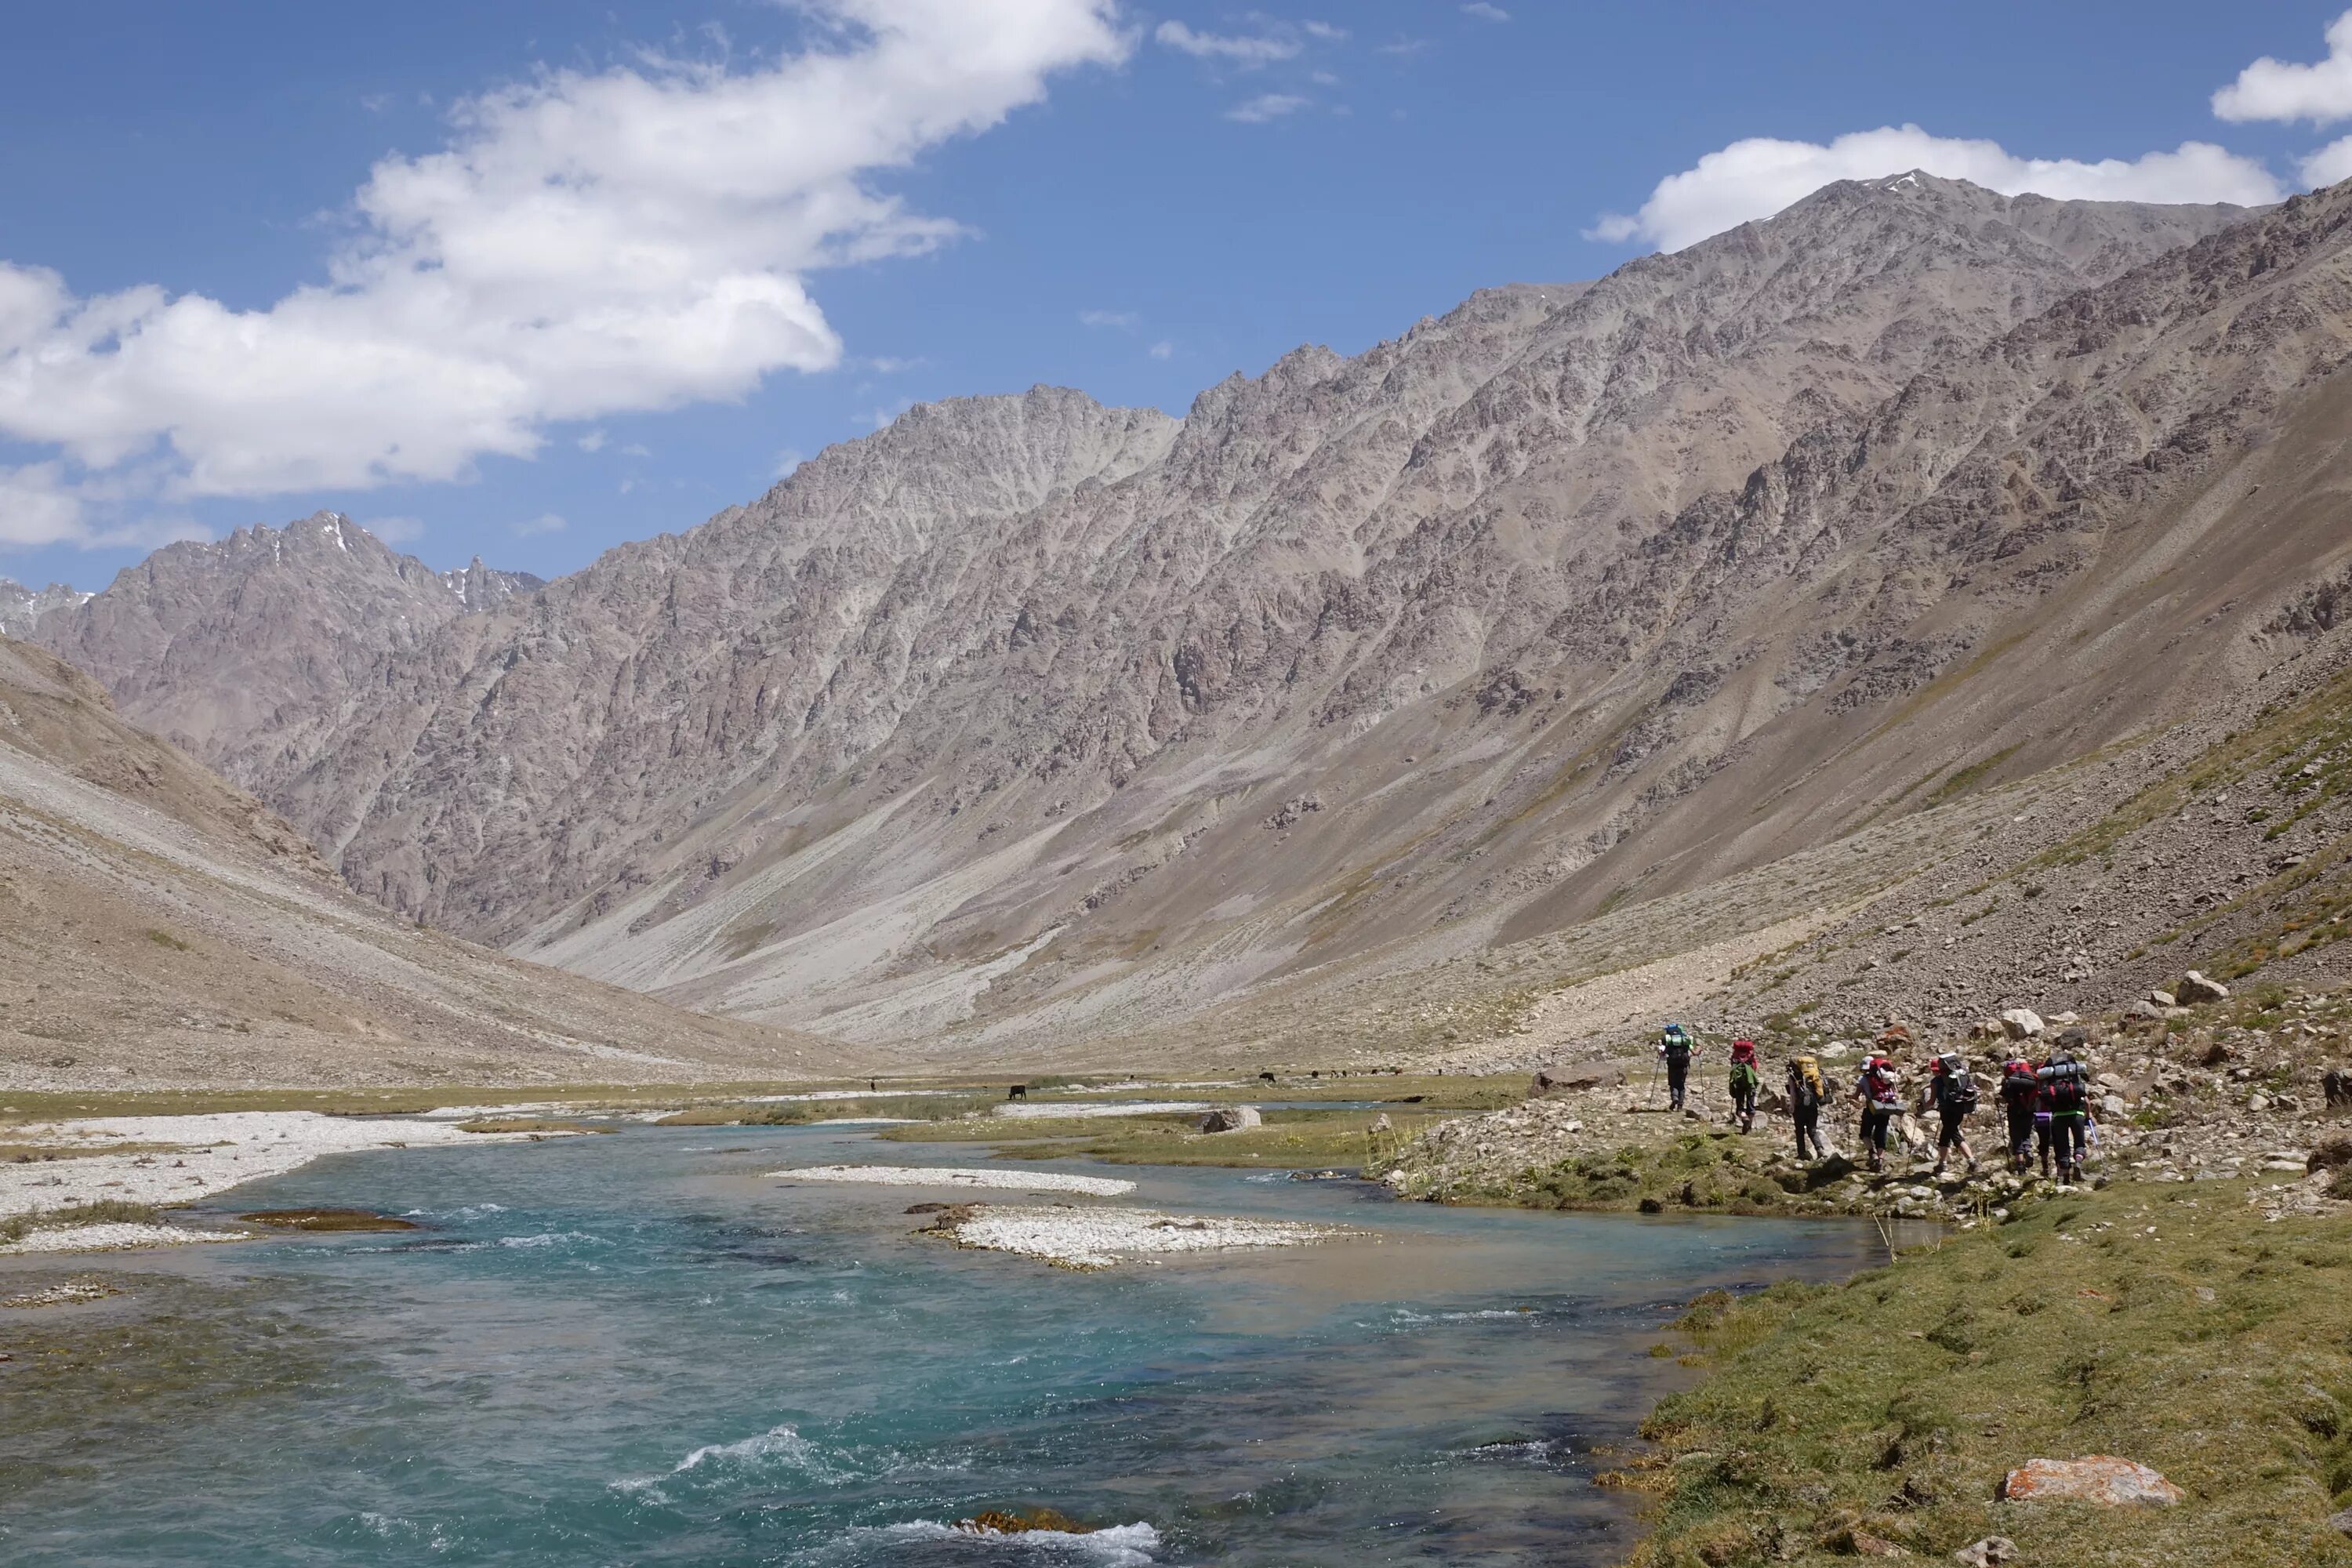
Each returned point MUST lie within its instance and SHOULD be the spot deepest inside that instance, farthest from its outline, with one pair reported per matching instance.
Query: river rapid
(640, 1349)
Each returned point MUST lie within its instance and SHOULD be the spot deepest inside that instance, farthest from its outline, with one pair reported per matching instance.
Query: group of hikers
(2046, 1105)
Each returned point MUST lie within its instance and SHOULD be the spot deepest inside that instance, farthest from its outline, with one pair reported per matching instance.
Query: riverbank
(2226, 1089)
(97, 1184)
(2168, 1324)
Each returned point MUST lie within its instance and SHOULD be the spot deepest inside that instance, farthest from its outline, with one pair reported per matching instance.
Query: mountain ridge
(905, 748)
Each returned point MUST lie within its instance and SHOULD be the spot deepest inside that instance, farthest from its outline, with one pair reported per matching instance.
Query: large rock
(1231, 1118)
(2094, 1477)
(1989, 1552)
(2021, 1023)
(2194, 988)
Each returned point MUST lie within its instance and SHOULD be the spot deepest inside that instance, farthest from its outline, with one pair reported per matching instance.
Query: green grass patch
(1964, 779)
(2152, 1322)
(1290, 1140)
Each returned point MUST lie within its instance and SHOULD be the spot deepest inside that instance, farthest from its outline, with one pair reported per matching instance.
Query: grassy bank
(2163, 1323)
(1289, 1140)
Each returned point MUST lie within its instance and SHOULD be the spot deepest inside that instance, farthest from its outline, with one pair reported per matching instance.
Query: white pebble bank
(1103, 1238)
(942, 1176)
(1061, 1109)
(110, 1237)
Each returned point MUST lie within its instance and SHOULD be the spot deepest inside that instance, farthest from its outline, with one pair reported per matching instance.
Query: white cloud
(2328, 164)
(395, 530)
(1125, 320)
(545, 522)
(1324, 31)
(37, 507)
(1757, 177)
(592, 442)
(636, 450)
(1162, 349)
(1484, 12)
(1266, 107)
(585, 245)
(1245, 52)
(2275, 90)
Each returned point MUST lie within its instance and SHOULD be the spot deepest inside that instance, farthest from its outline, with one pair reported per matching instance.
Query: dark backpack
(2068, 1090)
(1956, 1090)
(2020, 1086)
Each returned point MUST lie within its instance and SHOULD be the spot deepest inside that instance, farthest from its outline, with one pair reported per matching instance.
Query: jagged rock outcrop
(994, 727)
(21, 607)
(247, 651)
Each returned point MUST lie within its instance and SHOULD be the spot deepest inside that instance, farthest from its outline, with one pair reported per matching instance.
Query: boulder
(1989, 1552)
(2194, 988)
(2329, 1155)
(1231, 1118)
(2163, 999)
(2094, 1478)
(2341, 1522)
(2021, 1023)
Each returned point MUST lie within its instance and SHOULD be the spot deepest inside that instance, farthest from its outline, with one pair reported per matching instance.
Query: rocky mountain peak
(988, 720)
(280, 621)
(21, 607)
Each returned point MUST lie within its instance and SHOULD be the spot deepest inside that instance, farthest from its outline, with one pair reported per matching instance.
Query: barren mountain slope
(245, 649)
(1390, 650)
(2103, 595)
(807, 760)
(159, 927)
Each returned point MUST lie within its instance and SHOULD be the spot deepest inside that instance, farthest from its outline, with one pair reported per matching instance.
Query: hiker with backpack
(2020, 1093)
(1677, 1047)
(1747, 1083)
(2066, 1089)
(1953, 1090)
(1882, 1102)
(1806, 1093)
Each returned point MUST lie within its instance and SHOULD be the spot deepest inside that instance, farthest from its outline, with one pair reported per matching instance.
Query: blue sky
(756, 254)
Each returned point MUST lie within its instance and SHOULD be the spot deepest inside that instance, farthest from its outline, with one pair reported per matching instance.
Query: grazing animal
(1267, 1076)
(2336, 1083)
(1018, 1091)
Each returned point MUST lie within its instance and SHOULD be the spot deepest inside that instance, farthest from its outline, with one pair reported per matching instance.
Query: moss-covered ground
(1289, 1140)
(2163, 1323)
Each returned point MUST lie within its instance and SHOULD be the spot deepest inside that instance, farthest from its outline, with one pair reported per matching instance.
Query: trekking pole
(1654, 1081)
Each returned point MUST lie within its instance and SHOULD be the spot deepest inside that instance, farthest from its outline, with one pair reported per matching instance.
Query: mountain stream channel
(646, 1348)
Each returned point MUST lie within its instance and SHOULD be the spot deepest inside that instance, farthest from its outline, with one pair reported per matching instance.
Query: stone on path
(2021, 1023)
(1231, 1119)
(2194, 987)
(2094, 1478)
(1989, 1552)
